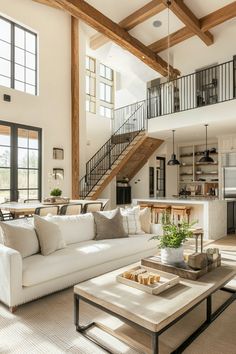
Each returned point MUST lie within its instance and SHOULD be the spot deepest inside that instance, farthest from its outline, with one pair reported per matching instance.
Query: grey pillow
(108, 228)
(21, 237)
(49, 235)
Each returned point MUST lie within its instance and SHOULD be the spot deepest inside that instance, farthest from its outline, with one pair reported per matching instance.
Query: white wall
(51, 109)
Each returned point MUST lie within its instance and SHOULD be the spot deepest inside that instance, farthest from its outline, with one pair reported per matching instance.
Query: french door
(20, 162)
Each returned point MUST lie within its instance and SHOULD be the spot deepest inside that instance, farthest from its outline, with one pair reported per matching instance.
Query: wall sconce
(58, 153)
(58, 173)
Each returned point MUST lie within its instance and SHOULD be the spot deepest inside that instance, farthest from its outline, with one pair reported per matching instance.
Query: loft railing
(204, 87)
(105, 157)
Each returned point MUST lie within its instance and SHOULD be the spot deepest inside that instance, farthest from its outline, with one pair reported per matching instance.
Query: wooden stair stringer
(118, 166)
(138, 160)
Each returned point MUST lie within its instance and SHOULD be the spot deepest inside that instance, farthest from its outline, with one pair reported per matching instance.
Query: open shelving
(197, 177)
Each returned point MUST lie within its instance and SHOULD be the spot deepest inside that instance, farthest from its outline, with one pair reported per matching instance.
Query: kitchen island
(210, 214)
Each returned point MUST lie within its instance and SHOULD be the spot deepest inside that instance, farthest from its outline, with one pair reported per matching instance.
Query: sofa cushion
(131, 220)
(75, 228)
(109, 227)
(20, 237)
(75, 257)
(49, 235)
(145, 220)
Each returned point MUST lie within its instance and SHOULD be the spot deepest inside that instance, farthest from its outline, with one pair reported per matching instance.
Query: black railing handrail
(110, 139)
(105, 157)
(176, 79)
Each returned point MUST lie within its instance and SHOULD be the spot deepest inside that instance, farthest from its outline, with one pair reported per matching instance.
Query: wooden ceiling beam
(47, 3)
(82, 10)
(207, 22)
(185, 15)
(144, 13)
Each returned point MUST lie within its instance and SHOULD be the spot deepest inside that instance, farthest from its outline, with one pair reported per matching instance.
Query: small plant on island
(56, 192)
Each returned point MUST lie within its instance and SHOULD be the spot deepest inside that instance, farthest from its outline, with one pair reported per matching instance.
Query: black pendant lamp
(206, 158)
(173, 160)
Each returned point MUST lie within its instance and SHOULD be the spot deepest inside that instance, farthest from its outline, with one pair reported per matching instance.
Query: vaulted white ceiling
(186, 56)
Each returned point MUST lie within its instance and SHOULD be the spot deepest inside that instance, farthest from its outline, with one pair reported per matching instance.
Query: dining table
(19, 209)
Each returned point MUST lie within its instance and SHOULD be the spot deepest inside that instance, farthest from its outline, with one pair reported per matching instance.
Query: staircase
(123, 154)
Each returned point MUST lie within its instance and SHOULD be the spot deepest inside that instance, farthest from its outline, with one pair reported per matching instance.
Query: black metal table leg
(209, 309)
(155, 343)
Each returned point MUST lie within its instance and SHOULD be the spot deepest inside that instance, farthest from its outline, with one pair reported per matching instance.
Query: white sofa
(26, 279)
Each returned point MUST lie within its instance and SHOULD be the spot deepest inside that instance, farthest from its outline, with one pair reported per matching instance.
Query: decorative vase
(172, 256)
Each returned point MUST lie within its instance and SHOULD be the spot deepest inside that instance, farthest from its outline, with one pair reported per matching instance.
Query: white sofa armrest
(10, 275)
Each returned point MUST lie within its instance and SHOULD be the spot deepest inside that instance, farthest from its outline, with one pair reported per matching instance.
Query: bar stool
(180, 213)
(158, 211)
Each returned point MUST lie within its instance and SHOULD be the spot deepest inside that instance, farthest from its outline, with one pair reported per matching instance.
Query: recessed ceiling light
(157, 23)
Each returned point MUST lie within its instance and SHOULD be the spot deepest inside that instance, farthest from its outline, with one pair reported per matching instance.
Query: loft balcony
(202, 88)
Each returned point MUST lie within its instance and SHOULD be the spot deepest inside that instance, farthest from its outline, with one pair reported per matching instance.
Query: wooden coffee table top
(153, 312)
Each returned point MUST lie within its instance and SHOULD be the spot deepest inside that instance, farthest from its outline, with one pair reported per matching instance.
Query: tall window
(90, 85)
(18, 57)
(20, 162)
(99, 88)
(106, 91)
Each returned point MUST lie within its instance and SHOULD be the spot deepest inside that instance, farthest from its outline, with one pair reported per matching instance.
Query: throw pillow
(22, 238)
(108, 228)
(131, 220)
(145, 220)
(75, 228)
(49, 234)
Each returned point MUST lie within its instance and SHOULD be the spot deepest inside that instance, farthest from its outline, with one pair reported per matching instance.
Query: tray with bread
(148, 279)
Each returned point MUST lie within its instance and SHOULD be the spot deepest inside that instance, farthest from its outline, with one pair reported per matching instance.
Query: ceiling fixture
(173, 160)
(206, 157)
(157, 23)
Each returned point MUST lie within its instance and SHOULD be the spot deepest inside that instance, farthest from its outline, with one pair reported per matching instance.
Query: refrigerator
(229, 189)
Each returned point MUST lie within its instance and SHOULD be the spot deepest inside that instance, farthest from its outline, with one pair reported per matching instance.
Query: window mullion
(12, 55)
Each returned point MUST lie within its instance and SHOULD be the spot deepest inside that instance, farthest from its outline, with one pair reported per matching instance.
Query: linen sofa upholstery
(23, 280)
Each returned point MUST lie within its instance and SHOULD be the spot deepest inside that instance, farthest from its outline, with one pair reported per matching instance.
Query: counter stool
(158, 211)
(146, 205)
(179, 213)
(198, 233)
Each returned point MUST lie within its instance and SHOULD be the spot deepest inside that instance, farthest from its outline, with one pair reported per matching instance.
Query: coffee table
(153, 314)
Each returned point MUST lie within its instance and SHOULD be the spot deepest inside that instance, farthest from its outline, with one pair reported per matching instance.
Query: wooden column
(75, 149)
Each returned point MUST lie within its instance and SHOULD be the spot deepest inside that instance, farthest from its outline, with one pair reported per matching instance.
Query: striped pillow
(131, 220)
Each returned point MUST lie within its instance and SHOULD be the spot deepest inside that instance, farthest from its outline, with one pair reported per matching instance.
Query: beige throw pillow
(109, 228)
(49, 234)
(131, 220)
(21, 238)
(145, 220)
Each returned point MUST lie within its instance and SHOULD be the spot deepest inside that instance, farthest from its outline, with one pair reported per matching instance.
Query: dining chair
(104, 204)
(31, 201)
(91, 207)
(71, 209)
(44, 211)
(6, 216)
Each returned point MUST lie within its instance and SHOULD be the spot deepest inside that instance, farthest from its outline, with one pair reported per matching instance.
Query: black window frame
(14, 159)
(12, 57)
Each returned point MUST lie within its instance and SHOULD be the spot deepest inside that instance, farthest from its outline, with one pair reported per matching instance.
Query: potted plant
(56, 192)
(172, 240)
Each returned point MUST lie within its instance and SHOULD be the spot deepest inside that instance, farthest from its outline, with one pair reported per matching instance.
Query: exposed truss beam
(207, 22)
(185, 15)
(144, 13)
(47, 2)
(94, 18)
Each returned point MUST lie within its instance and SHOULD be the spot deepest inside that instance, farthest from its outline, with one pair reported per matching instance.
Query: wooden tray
(167, 280)
(183, 272)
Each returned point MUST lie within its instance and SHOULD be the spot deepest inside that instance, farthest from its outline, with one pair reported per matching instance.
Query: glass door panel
(5, 163)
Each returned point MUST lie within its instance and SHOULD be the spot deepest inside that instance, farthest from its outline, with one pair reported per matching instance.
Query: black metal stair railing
(205, 87)
(101, 163)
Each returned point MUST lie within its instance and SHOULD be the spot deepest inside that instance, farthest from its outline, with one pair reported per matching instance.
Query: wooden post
(75, 106)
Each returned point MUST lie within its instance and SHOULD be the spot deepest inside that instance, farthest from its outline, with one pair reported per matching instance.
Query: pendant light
(206, 157)
(173, 160)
